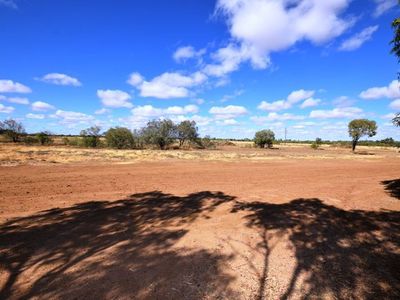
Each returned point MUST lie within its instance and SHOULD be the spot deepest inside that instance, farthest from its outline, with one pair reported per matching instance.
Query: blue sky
(233, 66)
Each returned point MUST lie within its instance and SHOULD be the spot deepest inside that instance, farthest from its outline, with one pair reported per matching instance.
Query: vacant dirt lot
(290, 223)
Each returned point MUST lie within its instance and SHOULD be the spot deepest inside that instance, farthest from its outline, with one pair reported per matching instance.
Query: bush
(12, 129)
(91, 137)
(44, 138)
(120, 138)
(160, 133)
(187, 131)
(30, 140)
(315, 145)
(264, 137)
(207, 143)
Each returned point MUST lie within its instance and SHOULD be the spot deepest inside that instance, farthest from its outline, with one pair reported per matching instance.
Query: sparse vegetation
(160, 133)
(12, 129)
(316, 144)
(264, 138)
(187, 132)
(91, 137)
(44, 138)
(359, 128)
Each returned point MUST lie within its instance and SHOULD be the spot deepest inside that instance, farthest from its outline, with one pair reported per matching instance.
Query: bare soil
(291, 228)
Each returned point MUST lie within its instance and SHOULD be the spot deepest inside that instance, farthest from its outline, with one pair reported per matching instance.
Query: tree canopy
(361, 127)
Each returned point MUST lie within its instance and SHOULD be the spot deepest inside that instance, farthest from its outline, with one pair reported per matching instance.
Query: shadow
(341, 254)
(363, 153)
(392, 187)
(113, 249)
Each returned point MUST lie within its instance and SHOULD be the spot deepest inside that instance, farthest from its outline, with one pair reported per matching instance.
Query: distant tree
(359, 128)
(12, 129)
(91, 136)
(161, 133)
(44, 138)
(186, 131)
(120, 138)
(396, 120)
(264, 137)
(315, 145)
(207, 143)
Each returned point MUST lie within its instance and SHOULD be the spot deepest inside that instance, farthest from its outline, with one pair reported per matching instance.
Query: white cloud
(395, 104)
(9, 86)
(199, 101)
(41, 106)
(187, 52)
(343, 101)
(151, 111)
(261, 27)
(341, 112)
(114, 98)
(227, 112)
(357, 40)
(389, 116)
(179, 110)
(384, 5)
(68, 117)
(101, 111)
(229, 122)
(18, 100)
(273, 116)
(299, 95)
(391, 91)
(167, 85)
(35, 116)
(310, 102)
(6, 109)
(60, 79)
(293, 98)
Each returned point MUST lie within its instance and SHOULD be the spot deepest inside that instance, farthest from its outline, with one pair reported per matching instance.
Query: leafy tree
(359, 128)
(160, 133)
(396, 120)
(186, 131)
(315, 145)
(44, 138)
(120, 138)
(264, 137)
(12, 129)
(91, 136)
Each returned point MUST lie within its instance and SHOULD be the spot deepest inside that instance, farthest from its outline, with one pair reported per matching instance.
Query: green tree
(161, 133)
(44, 138)
(359, 128)
(12, 129)
(91, 136)
(120, 138)
(264, 137)
(396, 51)
(187, 131)
(396, 120)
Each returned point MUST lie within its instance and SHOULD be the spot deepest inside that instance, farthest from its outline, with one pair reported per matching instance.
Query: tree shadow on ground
(112, 249)
(392, 187)
(342, 254)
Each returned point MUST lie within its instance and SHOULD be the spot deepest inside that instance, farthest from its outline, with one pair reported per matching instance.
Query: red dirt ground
(290, 229)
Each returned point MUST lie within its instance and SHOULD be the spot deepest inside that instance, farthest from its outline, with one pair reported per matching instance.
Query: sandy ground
(298, 227)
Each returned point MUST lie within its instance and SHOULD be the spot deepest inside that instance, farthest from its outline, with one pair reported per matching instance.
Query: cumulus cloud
(260, 27)
(16, 100)
(310, 102)
(273, 116)
(391, 91)
(357, 40)
(9, 86)
(101, 111)
(293, 98)
(68, 117)
(229, 122)
(60, 79)
(340, 112)
(41, 106)
(227, 112)
(383, 6)
(151, 111)
(395, 104)
(6, 109)
(343, 101)
(167, 85)
(35, 116)
(184, 53)
(114, 98)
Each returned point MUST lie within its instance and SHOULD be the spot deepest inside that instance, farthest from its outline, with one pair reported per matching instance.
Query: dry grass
(13, 154)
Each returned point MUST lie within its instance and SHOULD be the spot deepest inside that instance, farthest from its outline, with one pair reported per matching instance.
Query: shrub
(44, 138)
(186, 131)
(30, 140)
(120, 138)
(263, 138)
(91, 137)
(315, 145)
(160, 133)
(207, 143)
(12, 129)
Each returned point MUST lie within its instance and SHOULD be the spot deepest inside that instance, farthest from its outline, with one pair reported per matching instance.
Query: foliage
(12, 129)
(264, 137)
(186, 131)
(359, 128)
(30, 140)
(44, 138)
(207, 143)
(160, 133)
(120, 138)
(396, 120)
(316, 144)
(396, 39)
(91, 136)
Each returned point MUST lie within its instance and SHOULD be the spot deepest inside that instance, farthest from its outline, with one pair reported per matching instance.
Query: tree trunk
(354, 144)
